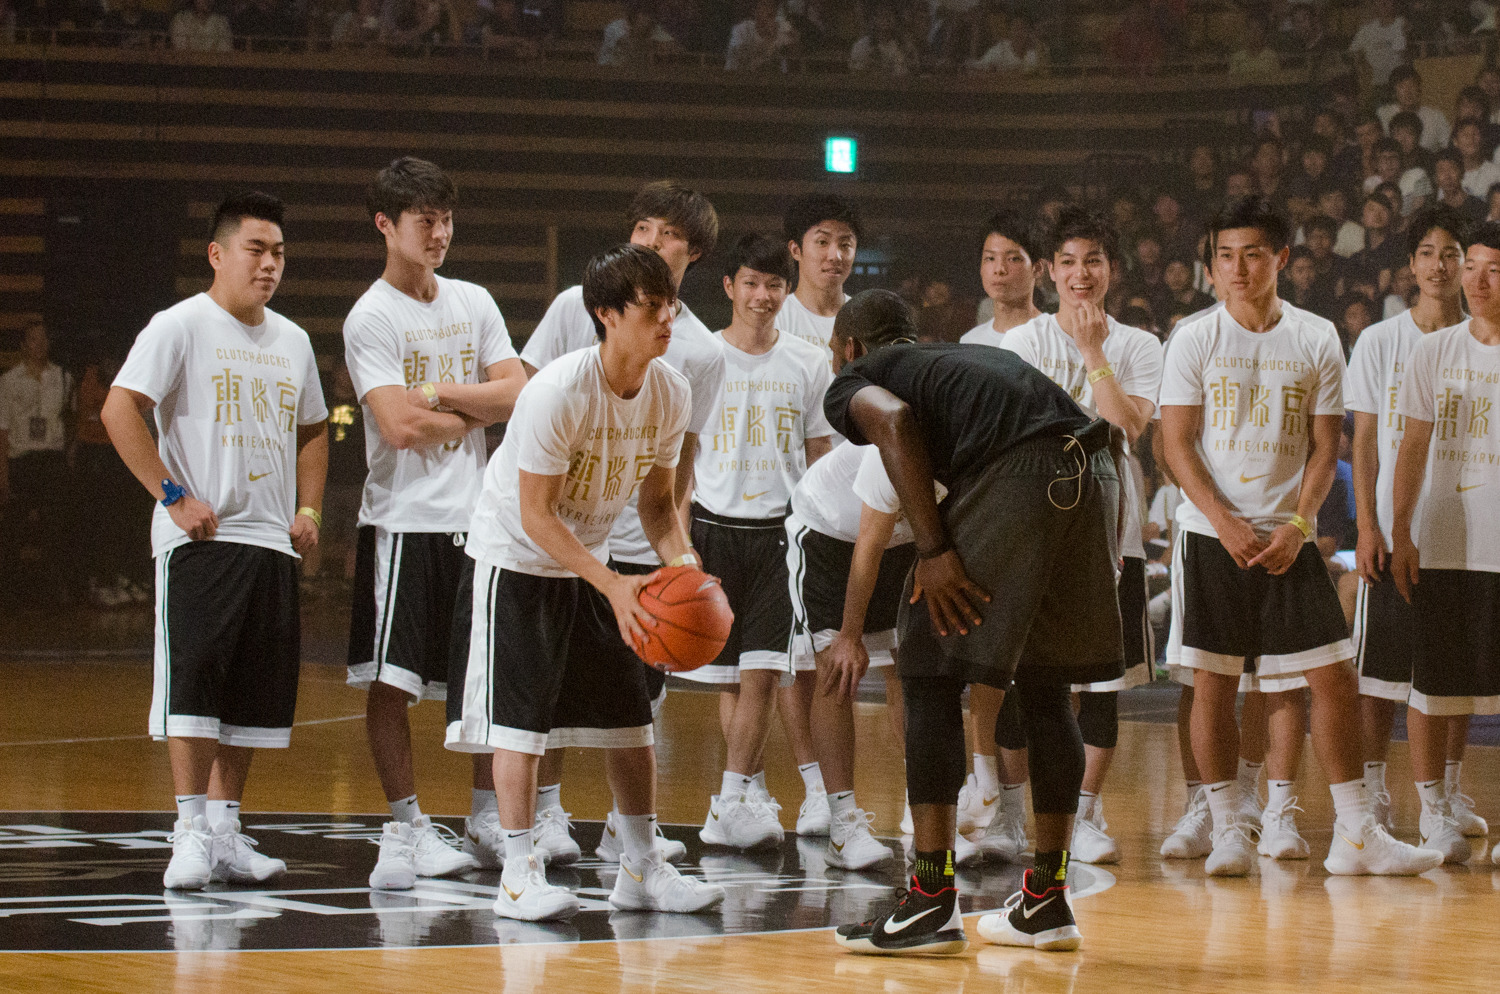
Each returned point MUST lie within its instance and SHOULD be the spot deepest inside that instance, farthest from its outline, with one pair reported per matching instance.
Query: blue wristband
(171, 493)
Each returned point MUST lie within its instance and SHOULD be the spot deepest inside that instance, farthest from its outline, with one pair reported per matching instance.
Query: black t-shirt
(972, 402)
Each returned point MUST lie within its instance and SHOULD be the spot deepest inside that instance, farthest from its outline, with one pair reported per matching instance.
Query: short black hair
(1299, 252)
(876, 318)
(1137, 316)
(1011, 224)
(1255, 212)
(1405, 119)
(1432, 216)
(681, 206)
(1324, 223)
(763, 255)
(1387, 144)
(1476, 95)
(1449, 154)
(233, 210)
(1319, 144)
(1486, 233)
(410, 184)
(621, 276)
(1401, 74)
(1084, 222)
(806, 213)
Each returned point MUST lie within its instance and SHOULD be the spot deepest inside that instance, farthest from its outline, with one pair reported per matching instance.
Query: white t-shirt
(825, 498)
(983, 334)
(228, 398)
(1002, 57)
(1136, 357)
(1383, 46)
(31, 410)
(1258, 393)
(1453, 381)
(749, 50)
(694, 352)
(568, 421)
(754, 453)
(815, 329)
(1477, 181)
(1435, 127)
(391, 339)
(873, 486)
(1376, 369)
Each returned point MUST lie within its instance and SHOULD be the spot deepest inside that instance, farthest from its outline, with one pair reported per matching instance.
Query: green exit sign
(840, 155)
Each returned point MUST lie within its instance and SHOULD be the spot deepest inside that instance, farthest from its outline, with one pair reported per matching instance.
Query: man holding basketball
(548, 658)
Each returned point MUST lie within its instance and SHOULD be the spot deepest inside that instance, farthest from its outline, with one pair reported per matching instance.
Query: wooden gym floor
(71, 740)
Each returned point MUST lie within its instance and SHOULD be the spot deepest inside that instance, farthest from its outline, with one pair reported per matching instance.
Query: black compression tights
(1098, 720)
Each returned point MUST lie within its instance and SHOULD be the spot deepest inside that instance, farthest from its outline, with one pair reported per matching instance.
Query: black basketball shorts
(228, 645)
(1385, 640)
(748, 555)
(817, 577)
(1456, 665)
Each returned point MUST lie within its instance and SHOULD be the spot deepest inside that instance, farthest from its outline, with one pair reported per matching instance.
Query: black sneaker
(919, 924)
(1042, 921)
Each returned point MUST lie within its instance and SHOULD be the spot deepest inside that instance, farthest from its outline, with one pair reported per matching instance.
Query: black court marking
(91, 882)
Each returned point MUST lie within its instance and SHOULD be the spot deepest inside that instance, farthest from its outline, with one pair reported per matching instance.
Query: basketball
(693, 620)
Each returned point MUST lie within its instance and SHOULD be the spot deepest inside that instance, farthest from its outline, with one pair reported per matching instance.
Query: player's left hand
(1277, 557)
(304, 533)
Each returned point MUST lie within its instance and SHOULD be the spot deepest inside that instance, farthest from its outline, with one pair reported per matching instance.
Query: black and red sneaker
(920, 924)
(1041, 918)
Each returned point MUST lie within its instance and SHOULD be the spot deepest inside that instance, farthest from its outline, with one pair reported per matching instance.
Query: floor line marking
(131, 738)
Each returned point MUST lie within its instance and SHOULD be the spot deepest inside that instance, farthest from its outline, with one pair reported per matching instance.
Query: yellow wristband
(317, 518)
(1101, 373)
(686, 559)
(429, 390)
(1300, 523)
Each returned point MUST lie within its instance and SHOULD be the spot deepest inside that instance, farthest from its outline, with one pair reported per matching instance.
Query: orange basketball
(692, 619)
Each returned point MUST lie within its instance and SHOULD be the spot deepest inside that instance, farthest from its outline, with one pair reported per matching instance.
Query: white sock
(1351, 802)
(406, 809)
(1451, 773)
(987, 774)
(1375, 777)
(221, 813)
(190, 806)
(1223, 802)
(759, 780)
(518, 846)
(841, 804)
(1279, 792)
(548, 797)
(1249, 777)
(1433, 792)
(1013, 797)
(735, 785)
(638, 835)
(1086, 804)
(812, 778)
(481, 801)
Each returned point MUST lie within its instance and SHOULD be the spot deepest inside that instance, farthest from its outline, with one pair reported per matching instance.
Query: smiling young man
(432, 365)
(768, 427)
(238, 473)
(1384, 630)
(548, 660)
(1445, 556)
(1252, 410)
(681, 226)
(822, 232)
(1112, 371)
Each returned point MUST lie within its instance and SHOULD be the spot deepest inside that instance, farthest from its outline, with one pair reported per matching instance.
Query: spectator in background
(1406, 131)
(412, 26)
(128, 26)
(1201, 192)
(953, 35)
(1311, 176)
(1239, 183)
(634, 41)
(1268, 165)
(1146, 275)
(1391, 194)
(1381, 41)
(1406, 84)
(1367, 134)
(1448, 177)
(1304, 37)
(1402, 294)
(1494, 201)
(1018, 53)
(1333, 203)
(1181, 296)
(357, 28)
(1255, 57)
(809, 21)
(1177, 237)
(1328, 266)
(34, 397)
(1472, 102)
(884, 48)
(1480, 172)
(761, 41)
(1301, 287)
(199, 28)
(1381, 256)
(1391, 167)
(1488, 80)
(1357, 312)
(1125, 211)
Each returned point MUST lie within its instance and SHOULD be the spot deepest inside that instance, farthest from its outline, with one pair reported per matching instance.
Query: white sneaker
(1005, 836)
(554, 838)
(484, 840)
(1462, 806)
(1091, 843)
(975, 810)
(1233, 850)
(741, 823)
(1370, 849)
(396, 869)
(1382, 806)
(965, 852)
(1192, 836)
(611, 847)
(653, 884)
(1279, 838)
(191, 867)
(814, 817)
(906, 825)
(235, 860)
(1440, 832)
(850, 844)
(435, 850)
(525, 894)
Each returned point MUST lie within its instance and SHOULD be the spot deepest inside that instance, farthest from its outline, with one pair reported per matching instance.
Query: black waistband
(702, 514)
(1094, 436)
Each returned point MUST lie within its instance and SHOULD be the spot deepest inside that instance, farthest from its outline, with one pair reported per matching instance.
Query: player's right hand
(1405, 562)
(842, 666)
(624, 595)
(953, 599)
(1240, 541)
(1370, 554)
(194, 517)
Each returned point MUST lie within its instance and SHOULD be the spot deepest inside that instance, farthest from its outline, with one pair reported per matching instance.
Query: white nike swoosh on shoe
(1028, 912)
(891, 926)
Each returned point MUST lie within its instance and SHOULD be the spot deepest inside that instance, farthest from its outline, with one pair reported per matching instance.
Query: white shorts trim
(402, 679)
(756, 660)
(1450, 706)
(535, 744)
(880, 645)
(198, 727)
(472, 732)
(1249, 682)
(1138, 675)
(1387, 691)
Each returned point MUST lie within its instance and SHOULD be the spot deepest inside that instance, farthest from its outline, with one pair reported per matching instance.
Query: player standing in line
(432, 365)
(1112, 371)
(682, 227)
(768, 428)
(1252, 410)
(1445, 558)
(1384, 630)
(239, 475)
(549, 658)
(822, 233)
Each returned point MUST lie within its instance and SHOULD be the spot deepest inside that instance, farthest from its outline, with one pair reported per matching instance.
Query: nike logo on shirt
(753, 496)
(258, 476)
(1462, 488)
(1252, 479)
(891, 926)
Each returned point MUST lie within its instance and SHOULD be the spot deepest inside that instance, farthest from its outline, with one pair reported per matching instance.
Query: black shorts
(748, 555)
(818, 575)
(405, 590)
(1456, 665)
(228, 644)
(1135, 626)
(1231, 618)
(546, 669)
(1385, 640)
(656, 680)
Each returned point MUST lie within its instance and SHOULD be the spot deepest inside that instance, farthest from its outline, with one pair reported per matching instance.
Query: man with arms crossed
(239, 475)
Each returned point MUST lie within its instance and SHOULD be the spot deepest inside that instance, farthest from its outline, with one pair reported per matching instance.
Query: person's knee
(935, 765)
(1056, 753)
(1099, 719)
(1010, 729)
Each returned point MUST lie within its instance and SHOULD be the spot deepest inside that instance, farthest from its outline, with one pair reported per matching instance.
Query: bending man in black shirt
(1017, 572)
